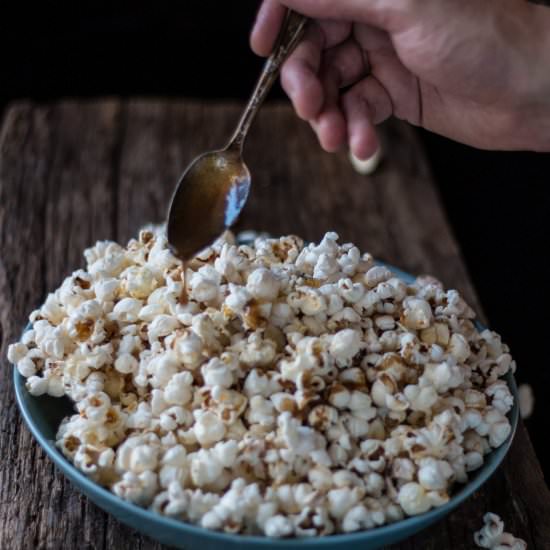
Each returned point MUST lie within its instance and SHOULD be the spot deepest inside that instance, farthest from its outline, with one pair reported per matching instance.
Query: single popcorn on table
(526, 400)
(289, 390)
(367, 166)
(492, 535)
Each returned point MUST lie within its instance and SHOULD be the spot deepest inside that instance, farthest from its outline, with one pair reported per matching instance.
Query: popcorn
(434, 474)
(376, 275)
(217, 373)
(384, 322)
(339, 396)
(189, 349)
(341, 500)
(137, 488)
(149, 312)
(127, 310)
(37, 385)
(93, 461)
(259, 383)
(384, 386)
(161, 368)
(295, 391)
(263, 285)
(175, 417)
(174, 466)
(106, 289)
(26, 367)
(301, 440)
(141, 417)
(205, 469)
(351, 292)
(500, 396)
(421, 398)
(17, 352)
(344, 345)
(143, 458)
(413, 499)
(208, 428)
(278, 526)
(311, 302)
(404, 469)
(459, 348)
(261, 411)
(204, 284)
(526, 400)
(496, 426)
(417, 313)
(443, 376)
(367, 166)
(258, 351)
(162, 325)
(492, 535)
(126, 363)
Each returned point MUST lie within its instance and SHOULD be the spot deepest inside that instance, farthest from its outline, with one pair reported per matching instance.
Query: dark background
(498, 203)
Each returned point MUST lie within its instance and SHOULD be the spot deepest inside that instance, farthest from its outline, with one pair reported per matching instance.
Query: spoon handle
(290, 34)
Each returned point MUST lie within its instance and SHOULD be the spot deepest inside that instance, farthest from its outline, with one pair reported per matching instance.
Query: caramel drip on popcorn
(184, 296)
(253, 316)
(84, 329)
(313, 283)
(82, 283)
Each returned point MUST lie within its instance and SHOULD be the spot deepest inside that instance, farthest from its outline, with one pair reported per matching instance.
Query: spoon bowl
(213, 190)
(208, 198)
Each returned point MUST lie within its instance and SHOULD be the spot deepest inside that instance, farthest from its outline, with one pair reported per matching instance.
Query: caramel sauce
(184, 296)
(72, 443)
(146, 237)
(417, 448)
(111, 330)
(111, 417)
(378, 453)
(287, 385)
(288, 405)
(280, 251)
(82, 283)
(306, 378)
(253, 316)
(95, 402)
(277, 336)
(390, 360)
(313, 283)
(84, 329)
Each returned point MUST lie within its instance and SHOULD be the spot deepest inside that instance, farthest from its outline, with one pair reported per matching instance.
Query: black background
(498, 203)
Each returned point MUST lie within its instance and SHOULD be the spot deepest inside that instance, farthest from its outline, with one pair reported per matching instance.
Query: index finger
(268, 24)
(266, 27)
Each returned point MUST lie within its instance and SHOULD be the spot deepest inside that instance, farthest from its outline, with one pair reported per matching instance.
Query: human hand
(475, 71)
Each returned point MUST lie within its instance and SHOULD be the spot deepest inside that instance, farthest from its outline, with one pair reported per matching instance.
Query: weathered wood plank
(72, 173)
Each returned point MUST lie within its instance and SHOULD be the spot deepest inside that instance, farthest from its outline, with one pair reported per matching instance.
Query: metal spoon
(213, 189)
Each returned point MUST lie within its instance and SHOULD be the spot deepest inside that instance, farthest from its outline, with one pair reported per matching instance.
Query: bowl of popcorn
(275, 395)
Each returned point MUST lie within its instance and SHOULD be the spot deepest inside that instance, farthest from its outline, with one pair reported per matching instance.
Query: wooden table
(74, 172)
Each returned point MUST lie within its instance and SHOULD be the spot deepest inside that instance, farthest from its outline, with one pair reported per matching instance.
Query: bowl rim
(86, 485)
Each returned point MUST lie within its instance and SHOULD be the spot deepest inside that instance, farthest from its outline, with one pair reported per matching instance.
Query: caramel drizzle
(184, 297)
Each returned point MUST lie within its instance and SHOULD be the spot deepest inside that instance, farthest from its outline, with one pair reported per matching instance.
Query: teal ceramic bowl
(44, 414)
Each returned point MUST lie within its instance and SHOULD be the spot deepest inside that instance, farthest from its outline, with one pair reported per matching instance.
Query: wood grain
(72, 173)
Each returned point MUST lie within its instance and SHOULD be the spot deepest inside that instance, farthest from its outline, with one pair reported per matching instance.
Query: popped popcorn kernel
(492, 535)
